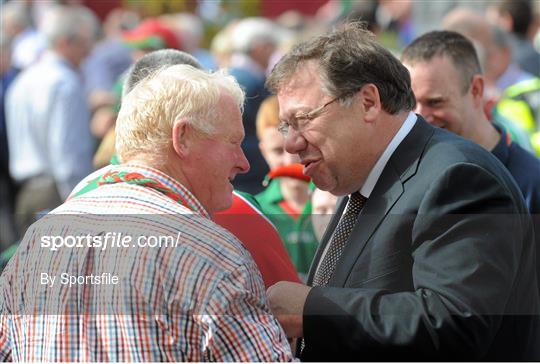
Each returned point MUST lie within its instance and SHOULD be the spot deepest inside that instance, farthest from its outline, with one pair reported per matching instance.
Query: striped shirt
(201, 298)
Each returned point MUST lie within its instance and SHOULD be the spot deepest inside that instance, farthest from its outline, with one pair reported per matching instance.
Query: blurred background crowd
(62, 65)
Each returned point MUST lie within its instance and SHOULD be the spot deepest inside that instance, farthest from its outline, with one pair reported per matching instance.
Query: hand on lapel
(286, 300)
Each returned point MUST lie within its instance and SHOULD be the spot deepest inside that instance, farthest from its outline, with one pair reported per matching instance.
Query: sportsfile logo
(109, 240)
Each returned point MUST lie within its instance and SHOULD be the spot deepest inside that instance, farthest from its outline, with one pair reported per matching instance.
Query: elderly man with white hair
(124, 292)
(47, 117)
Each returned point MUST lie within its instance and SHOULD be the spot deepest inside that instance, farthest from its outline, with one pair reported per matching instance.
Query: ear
(181, 138)
(370, 102)
(477, 90)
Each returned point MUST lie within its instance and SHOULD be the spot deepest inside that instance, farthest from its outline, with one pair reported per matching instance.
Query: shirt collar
(54, 57)
(501, 150)
(377, 169)
(167, 181)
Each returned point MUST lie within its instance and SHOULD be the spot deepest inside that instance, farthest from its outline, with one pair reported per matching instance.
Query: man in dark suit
(430, 255)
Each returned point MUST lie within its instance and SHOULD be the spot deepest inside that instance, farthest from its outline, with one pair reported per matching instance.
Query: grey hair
(65, 22)
(254, 30)
(153, 61)
(17, 13)
(348, 59)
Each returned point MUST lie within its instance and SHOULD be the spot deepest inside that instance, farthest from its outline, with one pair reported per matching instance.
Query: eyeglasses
(300, 121)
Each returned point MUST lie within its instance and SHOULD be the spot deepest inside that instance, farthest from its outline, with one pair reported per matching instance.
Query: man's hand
(286, 301)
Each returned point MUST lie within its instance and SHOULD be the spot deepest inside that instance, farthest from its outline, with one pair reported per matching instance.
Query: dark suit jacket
(439, 266)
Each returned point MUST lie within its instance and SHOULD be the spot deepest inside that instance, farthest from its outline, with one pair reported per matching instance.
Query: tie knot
(356, 202)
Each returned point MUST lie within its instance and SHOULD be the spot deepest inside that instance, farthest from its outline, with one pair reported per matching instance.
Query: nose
(242, 162)
(294, 142)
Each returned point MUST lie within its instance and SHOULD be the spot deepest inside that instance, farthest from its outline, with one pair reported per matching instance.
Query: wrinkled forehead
(302, 90)
(437, 75)
(306, 75)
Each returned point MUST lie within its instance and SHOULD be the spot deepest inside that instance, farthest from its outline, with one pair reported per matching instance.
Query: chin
(223, 204)
(323, 183)
(320, 185)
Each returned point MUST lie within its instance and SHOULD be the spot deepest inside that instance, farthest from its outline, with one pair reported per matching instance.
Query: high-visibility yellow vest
(535, 141)
(521, 104)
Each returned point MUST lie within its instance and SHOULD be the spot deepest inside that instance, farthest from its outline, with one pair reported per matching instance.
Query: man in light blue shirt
(48, 117)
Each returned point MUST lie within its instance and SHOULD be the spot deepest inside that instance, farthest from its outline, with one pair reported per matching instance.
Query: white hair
(149, 112)
(16, 13)
(250, 31)
(191, 29)
(66, 22)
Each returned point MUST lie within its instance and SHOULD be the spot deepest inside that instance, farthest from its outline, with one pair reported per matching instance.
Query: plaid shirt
(202, 300)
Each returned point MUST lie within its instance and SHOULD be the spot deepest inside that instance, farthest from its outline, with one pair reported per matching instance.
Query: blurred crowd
(63, 64)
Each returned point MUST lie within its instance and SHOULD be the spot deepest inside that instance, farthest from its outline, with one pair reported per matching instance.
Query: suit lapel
(387, 191)
(402, 165)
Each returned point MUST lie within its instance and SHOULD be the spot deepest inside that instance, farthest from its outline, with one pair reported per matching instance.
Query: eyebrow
(299, 109)
(434, 99)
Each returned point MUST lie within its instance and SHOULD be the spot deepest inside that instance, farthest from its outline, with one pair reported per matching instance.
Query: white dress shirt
(378, 168)
(47, 122)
